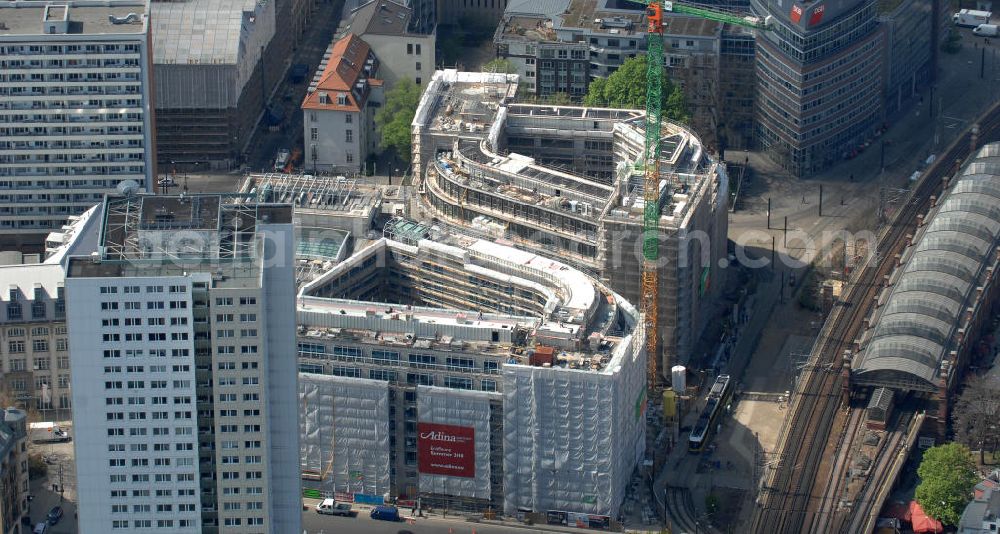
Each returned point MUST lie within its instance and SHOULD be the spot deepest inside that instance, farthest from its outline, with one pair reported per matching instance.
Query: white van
(986, 30)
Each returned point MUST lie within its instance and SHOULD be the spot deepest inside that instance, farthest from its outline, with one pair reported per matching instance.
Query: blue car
(385, 513)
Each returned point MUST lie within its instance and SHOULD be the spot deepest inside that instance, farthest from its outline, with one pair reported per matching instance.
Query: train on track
(718, 400)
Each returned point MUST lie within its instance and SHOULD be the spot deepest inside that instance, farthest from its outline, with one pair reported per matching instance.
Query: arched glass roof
(917, 325)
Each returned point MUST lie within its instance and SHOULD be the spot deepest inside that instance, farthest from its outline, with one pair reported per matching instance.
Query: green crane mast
(650, 165)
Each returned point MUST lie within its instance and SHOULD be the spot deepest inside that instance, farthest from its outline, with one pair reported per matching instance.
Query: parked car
(332, 507)
(167, 181)
(385, 513)
(41, 528)
(54, 515)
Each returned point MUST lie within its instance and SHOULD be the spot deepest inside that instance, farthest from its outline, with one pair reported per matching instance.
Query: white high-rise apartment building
(75, 111)
(181, 318)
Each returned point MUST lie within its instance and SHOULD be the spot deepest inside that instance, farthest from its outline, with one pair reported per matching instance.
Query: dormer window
(342, 99)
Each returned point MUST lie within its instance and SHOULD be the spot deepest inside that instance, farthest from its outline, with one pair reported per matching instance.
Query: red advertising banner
(446, 450)
(796, 14)
(817, 15)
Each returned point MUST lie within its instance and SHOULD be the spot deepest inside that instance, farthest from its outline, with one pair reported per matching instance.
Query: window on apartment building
(562, 54)
(15, 347)
(349, 157)
(312, 116)
(14, 311)
(349, 136)
(313, 134)
(417, 48)
(419, 80)
(38, 310)
(409, 48)
(418, 65)
(348, 118)
(457, 382)
(689, 44)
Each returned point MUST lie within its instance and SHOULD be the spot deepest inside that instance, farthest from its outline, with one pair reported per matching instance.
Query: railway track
(680, 509)
(791, 496)
(832, 494)
(862, 505)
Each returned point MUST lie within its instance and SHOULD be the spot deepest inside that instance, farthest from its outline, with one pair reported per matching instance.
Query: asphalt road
(203, 183)
(313, 523)
(265, 144)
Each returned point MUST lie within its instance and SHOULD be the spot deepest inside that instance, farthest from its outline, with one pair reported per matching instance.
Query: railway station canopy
(918, 325)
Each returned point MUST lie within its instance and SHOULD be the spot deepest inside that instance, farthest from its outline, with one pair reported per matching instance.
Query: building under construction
(216, 62)
(472, 376)
(933, 309)
(561, 181)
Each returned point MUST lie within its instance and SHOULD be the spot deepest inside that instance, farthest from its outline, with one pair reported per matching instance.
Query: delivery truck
(47, 433)
(971, 18)
(986, 30)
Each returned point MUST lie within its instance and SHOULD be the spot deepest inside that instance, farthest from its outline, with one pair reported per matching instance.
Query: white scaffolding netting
(357, 409)
(572, 438)
(471, 409)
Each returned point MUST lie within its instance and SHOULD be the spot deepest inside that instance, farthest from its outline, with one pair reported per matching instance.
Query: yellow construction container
(669, 405)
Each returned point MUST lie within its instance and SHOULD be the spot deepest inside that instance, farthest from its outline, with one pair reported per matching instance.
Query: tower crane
(649, 164)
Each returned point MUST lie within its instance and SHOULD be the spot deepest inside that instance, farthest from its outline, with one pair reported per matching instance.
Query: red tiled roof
(343, 70)
(922, 522)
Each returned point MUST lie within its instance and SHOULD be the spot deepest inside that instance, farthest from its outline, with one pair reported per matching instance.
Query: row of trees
(623, 89)
(394, 118)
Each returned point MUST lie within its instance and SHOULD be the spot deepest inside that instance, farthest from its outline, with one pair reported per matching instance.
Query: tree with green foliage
(394, 118)
(947, 476)
(558, 98)
(625, 88)
(500, 64)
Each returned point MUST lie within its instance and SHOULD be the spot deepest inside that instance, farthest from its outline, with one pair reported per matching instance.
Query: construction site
(566, 182)
(470, 375)
(216, 62)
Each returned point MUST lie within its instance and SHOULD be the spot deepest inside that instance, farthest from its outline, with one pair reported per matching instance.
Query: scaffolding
(332, 193)
(176, 227)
